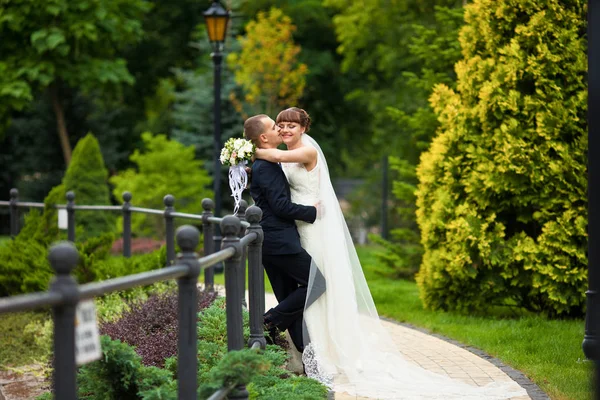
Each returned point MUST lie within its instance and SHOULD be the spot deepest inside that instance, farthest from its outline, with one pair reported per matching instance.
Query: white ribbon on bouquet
(238, 180)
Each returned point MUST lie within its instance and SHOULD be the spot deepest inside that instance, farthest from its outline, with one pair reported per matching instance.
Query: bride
(347, 348)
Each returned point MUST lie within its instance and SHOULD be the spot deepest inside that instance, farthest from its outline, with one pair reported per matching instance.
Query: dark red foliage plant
(151, 327)
(138, 245)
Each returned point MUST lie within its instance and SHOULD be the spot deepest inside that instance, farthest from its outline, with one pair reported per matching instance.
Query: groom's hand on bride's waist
(320, 210)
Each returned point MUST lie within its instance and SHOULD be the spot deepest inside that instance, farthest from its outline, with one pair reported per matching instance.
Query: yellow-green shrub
(502, 190)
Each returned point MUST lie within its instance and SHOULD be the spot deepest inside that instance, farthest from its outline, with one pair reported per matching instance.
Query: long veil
(346, 346)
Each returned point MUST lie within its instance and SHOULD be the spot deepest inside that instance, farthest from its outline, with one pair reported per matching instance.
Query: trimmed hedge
(502, 201)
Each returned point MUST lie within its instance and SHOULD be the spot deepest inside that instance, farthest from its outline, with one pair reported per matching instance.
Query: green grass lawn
(547, 351)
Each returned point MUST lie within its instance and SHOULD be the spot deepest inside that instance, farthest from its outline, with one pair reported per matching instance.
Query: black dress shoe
(271, 333)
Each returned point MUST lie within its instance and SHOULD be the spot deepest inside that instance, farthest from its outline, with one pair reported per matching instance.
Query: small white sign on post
(63, 222)
(87, 337)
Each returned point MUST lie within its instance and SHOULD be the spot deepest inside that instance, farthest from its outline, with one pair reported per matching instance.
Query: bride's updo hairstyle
(295, 114)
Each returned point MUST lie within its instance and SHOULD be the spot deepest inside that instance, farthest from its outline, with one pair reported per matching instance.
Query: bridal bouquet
(236, 153)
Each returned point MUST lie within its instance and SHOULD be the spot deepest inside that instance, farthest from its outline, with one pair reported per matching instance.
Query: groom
(287, 264)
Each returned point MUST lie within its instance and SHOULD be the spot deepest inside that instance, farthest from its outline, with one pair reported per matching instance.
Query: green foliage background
(163, 167)
(500, 188)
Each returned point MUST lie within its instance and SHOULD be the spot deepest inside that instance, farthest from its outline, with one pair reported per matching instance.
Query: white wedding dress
(349, 350)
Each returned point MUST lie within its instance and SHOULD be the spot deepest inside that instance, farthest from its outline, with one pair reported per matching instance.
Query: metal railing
(241, 240)
(207, 219)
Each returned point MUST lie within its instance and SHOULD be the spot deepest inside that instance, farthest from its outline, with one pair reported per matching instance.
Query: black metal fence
(212, 241)
(242, 239)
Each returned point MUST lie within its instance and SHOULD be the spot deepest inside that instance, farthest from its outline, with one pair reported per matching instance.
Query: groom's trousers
(288, 274)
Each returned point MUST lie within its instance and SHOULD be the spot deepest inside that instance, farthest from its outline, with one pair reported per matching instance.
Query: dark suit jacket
(271, 192)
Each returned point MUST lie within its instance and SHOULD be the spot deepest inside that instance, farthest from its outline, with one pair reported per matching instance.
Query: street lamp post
(591, 341)
(216, 18)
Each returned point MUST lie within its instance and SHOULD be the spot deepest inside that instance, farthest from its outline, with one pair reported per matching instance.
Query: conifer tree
(87, 177)
(502, 189)
(24, 265)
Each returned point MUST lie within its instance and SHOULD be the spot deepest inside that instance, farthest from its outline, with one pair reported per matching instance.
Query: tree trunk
(61, 126)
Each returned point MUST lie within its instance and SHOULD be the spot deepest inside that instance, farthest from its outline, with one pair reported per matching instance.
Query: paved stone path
(22, 386)
(446, 358)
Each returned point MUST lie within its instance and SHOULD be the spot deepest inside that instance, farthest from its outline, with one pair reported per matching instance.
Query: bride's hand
(259, 153)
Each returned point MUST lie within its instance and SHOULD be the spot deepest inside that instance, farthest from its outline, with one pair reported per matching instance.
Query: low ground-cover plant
(111, 307)
(273, 382)
(151, 327)
(18, 344)
(120, 374)
(24, 266)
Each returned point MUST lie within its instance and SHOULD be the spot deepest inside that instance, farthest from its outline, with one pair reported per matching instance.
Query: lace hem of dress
(314, 367)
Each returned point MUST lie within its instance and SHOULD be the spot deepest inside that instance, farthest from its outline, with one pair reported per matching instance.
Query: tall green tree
(502, 201)
(395, 51)
(63, 44)
(437, 48)
(375, 40)
(189, 108)
(170, 41)
(193, 118)
(340, 123)
(87, 177)
(30, 151)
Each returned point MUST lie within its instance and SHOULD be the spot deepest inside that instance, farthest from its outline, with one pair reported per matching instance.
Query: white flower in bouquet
(236, 153)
